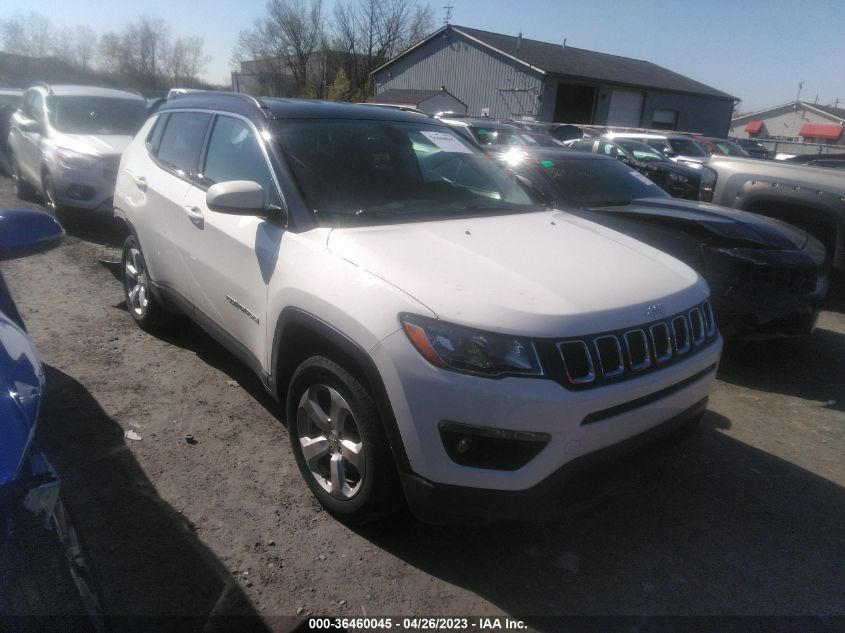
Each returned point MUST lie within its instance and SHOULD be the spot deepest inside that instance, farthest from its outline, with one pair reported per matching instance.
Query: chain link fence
(799, 149)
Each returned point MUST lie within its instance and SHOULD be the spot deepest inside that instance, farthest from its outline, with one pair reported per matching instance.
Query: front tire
(339, 442)
(48, 187)
(141, 303)
(23, 190)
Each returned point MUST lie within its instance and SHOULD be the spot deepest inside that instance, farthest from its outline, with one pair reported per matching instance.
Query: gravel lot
(745, 516)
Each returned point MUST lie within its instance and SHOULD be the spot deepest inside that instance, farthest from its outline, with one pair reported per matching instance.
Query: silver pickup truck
(812, 198)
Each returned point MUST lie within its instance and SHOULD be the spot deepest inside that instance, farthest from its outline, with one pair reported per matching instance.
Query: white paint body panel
(540, 274)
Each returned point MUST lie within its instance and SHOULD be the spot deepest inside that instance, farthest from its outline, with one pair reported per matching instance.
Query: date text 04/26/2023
(416, 623)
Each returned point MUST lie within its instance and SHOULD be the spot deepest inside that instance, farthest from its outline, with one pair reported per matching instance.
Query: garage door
(626, 106)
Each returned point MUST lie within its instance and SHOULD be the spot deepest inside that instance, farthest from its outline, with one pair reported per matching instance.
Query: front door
(233, 257)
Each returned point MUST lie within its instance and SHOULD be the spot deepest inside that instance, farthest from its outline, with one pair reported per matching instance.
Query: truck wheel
(148, 313)
(339, 442)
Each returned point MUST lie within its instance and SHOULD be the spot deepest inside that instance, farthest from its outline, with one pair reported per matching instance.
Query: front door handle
(195, 214)
(140, 182)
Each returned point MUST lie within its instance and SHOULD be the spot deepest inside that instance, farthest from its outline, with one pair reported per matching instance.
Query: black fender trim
(176, 302)
(359, 355)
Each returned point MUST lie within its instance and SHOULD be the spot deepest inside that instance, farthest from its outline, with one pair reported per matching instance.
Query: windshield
(356, 170)
(641, 151)
(686, 147)
(731, 149)
(597, 183)
(97, 115)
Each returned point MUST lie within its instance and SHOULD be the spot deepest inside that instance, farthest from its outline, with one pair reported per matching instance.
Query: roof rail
(44, 85)
(232, 97)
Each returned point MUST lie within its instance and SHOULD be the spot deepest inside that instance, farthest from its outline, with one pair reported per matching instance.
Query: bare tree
(362, 35)
(283, 42)
(86, 47)
(185, 61)
(76, 46)
(27, 34)
(371, 32)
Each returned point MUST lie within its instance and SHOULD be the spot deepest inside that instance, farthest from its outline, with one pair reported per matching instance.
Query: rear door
(173, 164)
(231, 258)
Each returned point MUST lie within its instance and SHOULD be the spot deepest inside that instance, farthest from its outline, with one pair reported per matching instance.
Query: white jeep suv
(432, 331)
(66, 142)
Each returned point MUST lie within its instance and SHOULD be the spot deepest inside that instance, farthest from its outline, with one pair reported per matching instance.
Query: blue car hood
(21, 382)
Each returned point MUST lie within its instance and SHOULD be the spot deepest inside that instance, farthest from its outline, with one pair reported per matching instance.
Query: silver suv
(66, 142)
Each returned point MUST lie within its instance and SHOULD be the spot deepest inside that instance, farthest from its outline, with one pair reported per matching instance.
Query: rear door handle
(140, 182)
(195, 214)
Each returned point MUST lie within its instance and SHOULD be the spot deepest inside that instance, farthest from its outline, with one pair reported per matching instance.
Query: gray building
(504, 76)
(796, 121)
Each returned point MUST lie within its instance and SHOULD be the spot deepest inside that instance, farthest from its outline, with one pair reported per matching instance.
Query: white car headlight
(471, 351)
(70, 159)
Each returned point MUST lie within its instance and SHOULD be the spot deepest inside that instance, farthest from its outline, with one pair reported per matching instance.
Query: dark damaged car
(767, 277)
(25, 475)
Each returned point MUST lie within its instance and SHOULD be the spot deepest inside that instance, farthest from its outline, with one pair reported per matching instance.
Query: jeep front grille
(594, 360)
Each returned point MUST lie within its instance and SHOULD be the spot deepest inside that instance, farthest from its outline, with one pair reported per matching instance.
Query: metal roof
(567, 61)
(407, 96)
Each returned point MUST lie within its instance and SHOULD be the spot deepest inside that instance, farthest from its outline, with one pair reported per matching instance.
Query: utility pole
(800, 86)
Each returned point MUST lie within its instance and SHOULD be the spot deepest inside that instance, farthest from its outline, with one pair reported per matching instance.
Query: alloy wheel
(331, 441)
(137, 282)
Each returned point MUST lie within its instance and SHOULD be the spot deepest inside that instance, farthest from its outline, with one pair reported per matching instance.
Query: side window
(181, 141)
(584, 146)
(154, 137)
(234, 154)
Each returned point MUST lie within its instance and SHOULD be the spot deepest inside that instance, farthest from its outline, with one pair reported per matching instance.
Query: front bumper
(568, 487)
(91, 188)
(765, 293)
(423, 397)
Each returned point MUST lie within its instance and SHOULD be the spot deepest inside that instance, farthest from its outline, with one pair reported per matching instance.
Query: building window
(664, 119)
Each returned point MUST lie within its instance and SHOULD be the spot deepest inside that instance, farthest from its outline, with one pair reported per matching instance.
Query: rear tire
(141, 303)
(339, 443)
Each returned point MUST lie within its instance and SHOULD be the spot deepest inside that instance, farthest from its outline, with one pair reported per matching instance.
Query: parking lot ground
(744, 516)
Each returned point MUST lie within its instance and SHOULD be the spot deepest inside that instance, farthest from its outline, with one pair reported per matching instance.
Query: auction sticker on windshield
(447, 142)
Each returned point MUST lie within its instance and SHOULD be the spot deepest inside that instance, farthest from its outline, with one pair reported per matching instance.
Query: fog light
(484, 447)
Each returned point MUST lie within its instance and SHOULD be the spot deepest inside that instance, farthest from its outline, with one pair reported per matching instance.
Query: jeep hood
(718, 225)
(96, 144)
(545, 273)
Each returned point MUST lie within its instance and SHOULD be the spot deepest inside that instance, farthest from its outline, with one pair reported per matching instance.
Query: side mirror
(237, 197)
(29, 126)
(27, 232)
(669, 152)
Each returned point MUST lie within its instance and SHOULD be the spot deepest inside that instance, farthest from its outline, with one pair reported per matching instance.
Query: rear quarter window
(154, 137)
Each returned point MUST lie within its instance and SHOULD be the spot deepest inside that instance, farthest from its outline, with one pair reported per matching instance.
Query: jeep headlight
(471, 351)
(74, 160)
